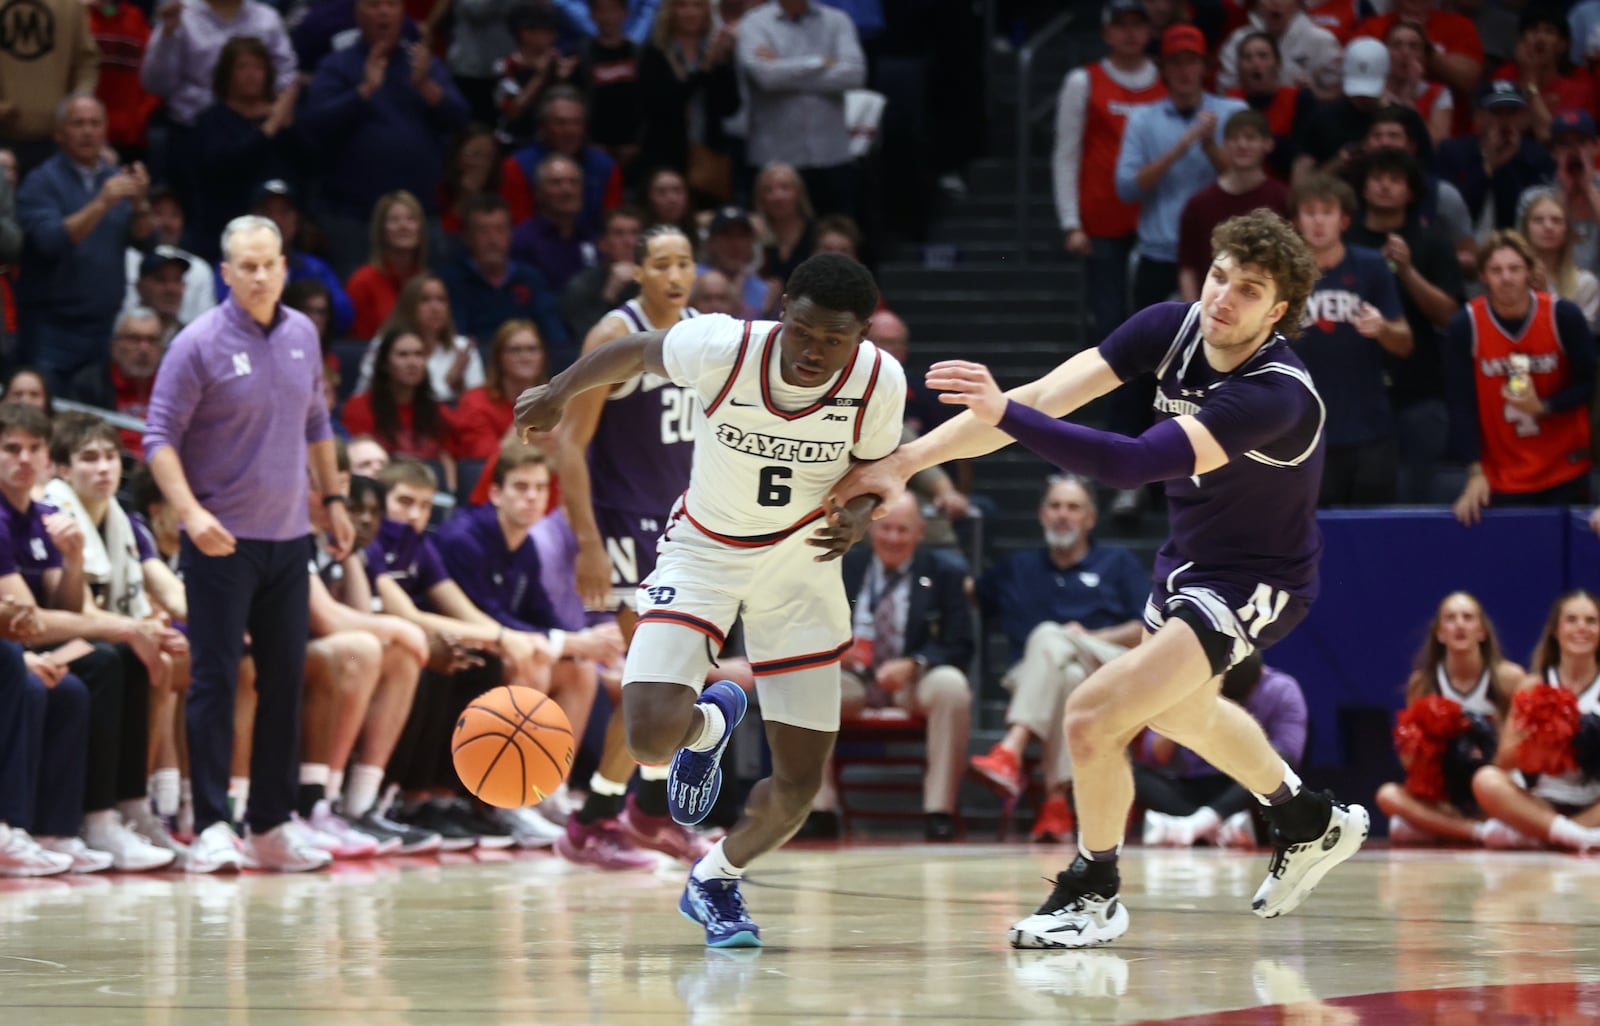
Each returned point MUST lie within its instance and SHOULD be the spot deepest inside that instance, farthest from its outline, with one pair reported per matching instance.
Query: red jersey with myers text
(1104, 213)
(1523, 453)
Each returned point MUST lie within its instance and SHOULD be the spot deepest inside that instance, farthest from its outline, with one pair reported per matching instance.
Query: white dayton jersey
(769, 452)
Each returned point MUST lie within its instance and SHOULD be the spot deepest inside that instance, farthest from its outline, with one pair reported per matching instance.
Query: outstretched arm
(540, 407)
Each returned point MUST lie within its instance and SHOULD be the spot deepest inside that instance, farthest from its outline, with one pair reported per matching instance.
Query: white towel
(110, 563)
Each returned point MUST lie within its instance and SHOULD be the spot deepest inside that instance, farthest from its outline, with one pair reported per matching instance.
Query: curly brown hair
(1265, 240)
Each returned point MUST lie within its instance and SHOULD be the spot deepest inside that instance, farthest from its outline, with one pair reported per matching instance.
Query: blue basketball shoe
(717, 905)
(695, 779)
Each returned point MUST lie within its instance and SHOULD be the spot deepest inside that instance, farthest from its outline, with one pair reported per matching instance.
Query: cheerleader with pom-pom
(1545, 782)
(1458, 693)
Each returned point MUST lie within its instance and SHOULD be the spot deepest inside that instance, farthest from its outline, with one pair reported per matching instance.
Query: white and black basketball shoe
(1076, 915)
(1298, 866)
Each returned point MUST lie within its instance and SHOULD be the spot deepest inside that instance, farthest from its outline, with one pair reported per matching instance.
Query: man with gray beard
(1067, 608)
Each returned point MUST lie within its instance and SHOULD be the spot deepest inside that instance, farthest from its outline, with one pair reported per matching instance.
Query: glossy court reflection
(865, 935)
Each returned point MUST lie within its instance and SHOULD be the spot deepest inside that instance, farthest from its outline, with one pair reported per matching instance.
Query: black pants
(1568, 493)
(1184, 796)
(262, 588)
(44, 737)
(421, 759)
(1367, 474)
(119, 725)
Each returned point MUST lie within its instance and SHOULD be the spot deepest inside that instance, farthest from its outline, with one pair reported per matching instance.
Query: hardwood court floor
(911, 934)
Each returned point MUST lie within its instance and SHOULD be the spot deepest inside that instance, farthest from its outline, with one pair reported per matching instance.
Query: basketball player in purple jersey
(623, 458)
(1239, 442)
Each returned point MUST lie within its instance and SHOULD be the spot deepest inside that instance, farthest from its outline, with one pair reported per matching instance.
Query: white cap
(1366, 68)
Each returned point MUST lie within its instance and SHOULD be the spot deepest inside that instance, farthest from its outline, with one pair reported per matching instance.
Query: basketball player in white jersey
(1460, 660)
(788, 406)
(623, 455)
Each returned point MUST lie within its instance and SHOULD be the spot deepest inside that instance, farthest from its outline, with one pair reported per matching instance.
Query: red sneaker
(1002, 768)
(601, 844)
(661, 833)
(1054, 821)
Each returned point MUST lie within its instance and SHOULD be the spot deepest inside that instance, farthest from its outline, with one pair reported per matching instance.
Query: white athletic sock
(239, 796)
(335, 788)
(1568, 834)
(314, 773)
(362, 792)
(715, 866)
(1286, 790)
(610, 788)
(660, 772)
(165, 791)
(716, 725)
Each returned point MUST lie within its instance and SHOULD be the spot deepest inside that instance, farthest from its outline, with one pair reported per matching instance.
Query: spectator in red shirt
(1541, 68)
(472, 170)
(124, 385)
(1455, 56)
(399, 253)
(122, 32)
(400, 410)
(562, 129)
(1242, 187)
(516, 363)
(1408, 84)
(1285, 106)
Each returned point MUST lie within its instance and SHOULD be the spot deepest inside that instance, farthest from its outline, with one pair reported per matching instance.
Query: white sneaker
(129, 852)
(286, 848)
(337, 837)
(1505, 837)
(1155, 829)
(21, 855)
(1237, 831)
(529, 828)
(1072, 917)
(148, 825)
(1297, 868)
(215, 850)
(557, 806)
(84, 858)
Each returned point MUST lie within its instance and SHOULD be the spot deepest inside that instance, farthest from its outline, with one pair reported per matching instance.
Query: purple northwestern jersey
(1256, 517)
(644, 444)
(503, 583)
(558, 569)
(400, 552)
(25, 547)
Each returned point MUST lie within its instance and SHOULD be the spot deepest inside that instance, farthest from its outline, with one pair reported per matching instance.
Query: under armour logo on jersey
(1192, 393)
(297, 354)
(241, 364)
(1090, 580)
(36, 546)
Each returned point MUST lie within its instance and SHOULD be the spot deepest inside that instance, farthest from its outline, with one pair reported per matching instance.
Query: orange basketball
(512, 747)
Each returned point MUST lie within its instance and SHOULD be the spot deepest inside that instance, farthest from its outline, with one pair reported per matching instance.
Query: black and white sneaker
(1074, 916)
(1297, 867)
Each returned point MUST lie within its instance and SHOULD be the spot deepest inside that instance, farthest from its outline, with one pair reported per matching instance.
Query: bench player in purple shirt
(623, 458)
(1239, 442)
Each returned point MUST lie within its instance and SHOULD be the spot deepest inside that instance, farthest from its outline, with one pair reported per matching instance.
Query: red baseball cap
(1182, 39)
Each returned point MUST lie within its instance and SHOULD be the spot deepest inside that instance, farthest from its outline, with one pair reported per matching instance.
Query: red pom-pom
(1422, 732)
(1548, 718)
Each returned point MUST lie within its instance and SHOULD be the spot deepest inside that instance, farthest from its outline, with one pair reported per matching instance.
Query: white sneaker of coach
(286, 848)
(216, 849)
(129, 852)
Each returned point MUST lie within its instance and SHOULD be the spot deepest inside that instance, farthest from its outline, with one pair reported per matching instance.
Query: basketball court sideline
(887, 934)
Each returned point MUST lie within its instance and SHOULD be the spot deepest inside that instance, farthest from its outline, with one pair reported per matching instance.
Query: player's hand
(964, 383)
(896, 674)
(19, 621)
(65, 535)
(144, 637)
(538, 409)
(1368, 321)
(208, 534)
(447, 655)
(1078, 242)
(601, 644)
(844, 526)
(594, 574)
(341, 532)
(44, 669)
(404, 635)
(880, 478)
(1474, 497)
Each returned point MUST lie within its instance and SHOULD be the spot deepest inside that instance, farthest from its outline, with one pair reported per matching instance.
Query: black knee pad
(1217, 646)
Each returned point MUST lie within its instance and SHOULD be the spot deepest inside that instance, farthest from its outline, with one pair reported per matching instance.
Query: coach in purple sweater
(236, 415)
